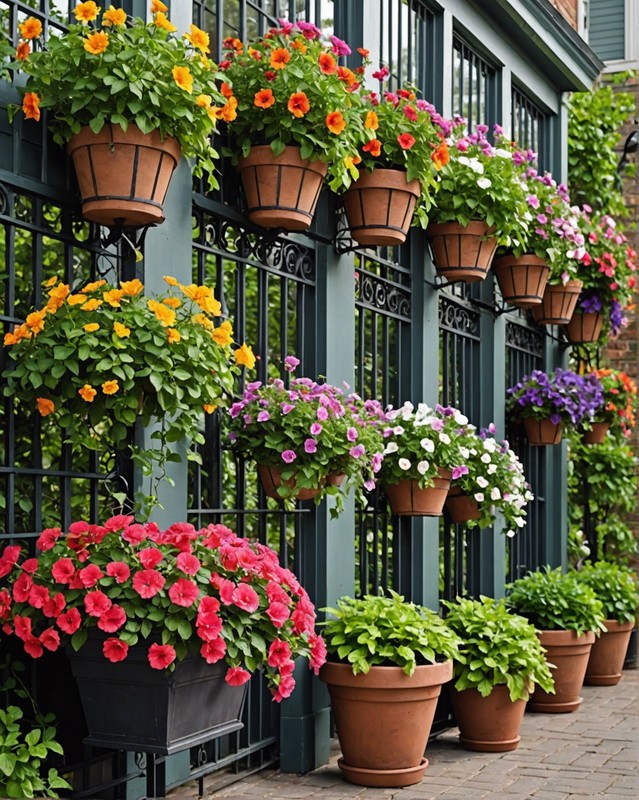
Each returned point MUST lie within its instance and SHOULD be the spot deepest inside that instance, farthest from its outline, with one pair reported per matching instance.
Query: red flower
(246, 598)
(298, 104)
(54, 605)
(48, 538)
(327, 64)
(278, 613)
(279, 653)
(318, 652)
(188, 563)
(115, 650)
(90, 575)
(5, 604)
(236, 676)
(22, 588)
(226, 589)
(147, 583)
(70, 621)
(161, 655)
(38, 596)
(50, 639)
(118, 522)
(276, 594)
(134, 534)
(406, 141)
(374, 147)
(11, 553)
(22, 626)
(63, 570)
(184, 592)
(96, 603)
(208, 605)
(30, 565)
(118, 570)
(33, 647)
(112, 619)
(213, 650)
(264, 98)
(150, 557)
(285, 688)
(208, 626)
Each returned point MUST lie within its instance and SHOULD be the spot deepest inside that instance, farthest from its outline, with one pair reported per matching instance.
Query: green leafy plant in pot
(616, 587)
(568, 616)
(500, 660)
(388, 659)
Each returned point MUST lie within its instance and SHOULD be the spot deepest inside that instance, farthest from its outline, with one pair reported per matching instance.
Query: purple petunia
(289, 456)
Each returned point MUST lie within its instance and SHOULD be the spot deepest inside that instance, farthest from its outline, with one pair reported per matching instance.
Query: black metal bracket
(131, 239)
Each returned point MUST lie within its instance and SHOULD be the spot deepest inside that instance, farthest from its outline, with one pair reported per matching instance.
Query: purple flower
(340, 48)
(322, 413)
(590, 303)
(287, 408)
(369, 485)
(376, 462)
(357, 451)
(289, 456)
(459, 471)
(236, 409)
(263, 416)
(533, 201)
(310, 446)
(290, 363)
(316, 429)
(616, 317)
(351, 434)
(247, 419)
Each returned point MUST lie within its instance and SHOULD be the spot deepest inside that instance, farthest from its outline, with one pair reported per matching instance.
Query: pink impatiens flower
(147, 583)
(236, 676)
(161, 655)
(115, 650)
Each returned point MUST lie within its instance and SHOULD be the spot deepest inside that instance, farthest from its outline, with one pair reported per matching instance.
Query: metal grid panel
(529, 126)
(405, 33)
(473, 85)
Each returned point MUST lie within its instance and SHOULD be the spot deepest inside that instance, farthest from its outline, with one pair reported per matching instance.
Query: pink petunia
(188, 563)
(147, 583)
(161, 655)
(96, 603)
(226, 589)
(318, 652)
(284, 689)
(63, 570)
(90, 575)
(184, 592)
(70, 621)
(310, 446)
(118, 522)
(38, 596)
(236, 676)
(115, 650)
(278, 653)
(150, 557)
(112, 619)
(246, 598)
(33, 647)
(47, 539)
(54, 606)
(276, 594)
(22, 627)
(288, 456)
(212, 651)
(209, 626)
(22, 588)
(5, 604)
(50, 639)
(134, 534)
(278, 613)
(119, 570)
(208, 605)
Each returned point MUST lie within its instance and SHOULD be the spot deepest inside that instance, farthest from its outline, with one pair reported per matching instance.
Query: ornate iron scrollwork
(525, 339)
(382, 295)
(458, 318)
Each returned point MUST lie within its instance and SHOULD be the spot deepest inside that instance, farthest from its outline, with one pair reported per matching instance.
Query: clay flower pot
(541, 432)
(383, 720)
(461, 508)
(271, 478)
(462, 253)
(123, 176)
(584, 326)
(379, 207)
(521, 279)
(608, 654)
(488, 724)
(597, 435)
(407, 499)
(568, 654)
(558, 303)
(281, 191)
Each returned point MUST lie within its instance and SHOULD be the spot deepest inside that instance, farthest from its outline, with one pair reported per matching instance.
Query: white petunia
(495, 494)
(404, 463)
(499, 151)
(482, 482)
(422, 467)
(428, 445)
(444, 438)
(465, 453)
(391, 447)
(492, 469)
(460, 419)
(484, 183)
(510, 534)
(485, 458)
(479, 496)
(398, 430)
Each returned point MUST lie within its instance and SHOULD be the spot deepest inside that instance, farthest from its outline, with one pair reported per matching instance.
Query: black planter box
(130, 706)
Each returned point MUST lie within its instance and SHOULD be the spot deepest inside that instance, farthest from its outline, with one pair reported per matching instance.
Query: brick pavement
(591, 753)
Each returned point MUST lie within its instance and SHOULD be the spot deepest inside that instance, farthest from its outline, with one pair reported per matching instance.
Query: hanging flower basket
(123, 176)
(585, 326)
(597, 434)
(461, 507)
(281, 191)
(379, 207)
(271, 479)
(522, 279)
(408, 499)
(558, 303)
(462, 253)
(542, 431)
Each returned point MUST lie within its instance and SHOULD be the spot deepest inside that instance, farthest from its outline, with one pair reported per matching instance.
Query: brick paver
(591, 753)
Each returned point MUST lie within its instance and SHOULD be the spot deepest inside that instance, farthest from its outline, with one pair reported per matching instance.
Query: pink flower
(357, 451)
(406, 141)
(318, 652)
(50, 639)
(33, 647)
(263, 416)
(96, 603)
(38, 596)
(381, 74)
(134, 534)
(410, 112)
(288, 456)
(184, 592)
(115, 650)
(47, 539)
(291, 363)
(287, 408)
(161, 655)
(30, 565)
(5, 604)
(226, 589)
(118, 570)
(285, 688)
(112, 619)
(22, 627)
(209, 626)
(315, 429)
(276, 594)
(213, 650)
(150, 557)
(70, 621)
(118, 522)
(236, 676)
(322, 413)
(310, 446)
(54, 605)
(246, 598)
(278, 613)
(278, 653)
(63, 570)
(351, 434)
(147, 583)
(208, 605)
(22, 588)
(90, 575)
(188, 563)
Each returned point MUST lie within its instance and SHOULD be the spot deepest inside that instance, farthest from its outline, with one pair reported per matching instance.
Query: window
(473, 86)
(529, 126)
(406, 30)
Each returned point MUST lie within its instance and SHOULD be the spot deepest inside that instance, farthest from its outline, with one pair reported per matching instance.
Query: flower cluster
(114, 71)
(96, 359)
(494, 477)
(421, 441)
(312, 433)
(288, 88)
(619, 400)
(561, 396)
(181, 591)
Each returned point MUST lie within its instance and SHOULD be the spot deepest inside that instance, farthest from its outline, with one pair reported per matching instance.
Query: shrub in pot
(568, 616)
(387, 661)
(616, 587)
(499, 663)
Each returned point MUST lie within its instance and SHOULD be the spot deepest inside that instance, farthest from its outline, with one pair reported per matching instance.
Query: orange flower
(280, 58)
(335, 122)
(113, 297)
(228, 112)
(363, 52)
(203, 100)
(131, 288)
(204, 321)
(90, 327)
(76, 299)
(440, 156)
(114, 16)
(91, 305)
(96, 43)
(121, 330)
(264, 98)
(203, 296)
(30, 106)
(173, 335)
(209, 408)
(299, 45)
(327, 64)
(158, 5)
(31, 28)
(85, 12)
(406, 141)
(165, 315)
(11, 338)
(298, 104)
(374, 147)
(45, 406)
(182, 76)
(199, 39)
(52, 281)
(371, 122)
(245, 356)
(170, 280)
(35, 321)
(91, 287)
(233, 44)
(223, 334)
(162, 21)
(22, 53)
(87, 393)
(172, 302)
(59, 294)
(347, 75)
(226, 90)
(110, 387)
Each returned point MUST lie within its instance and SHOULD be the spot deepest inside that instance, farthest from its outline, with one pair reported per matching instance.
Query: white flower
(482, 482)
(422, 467)
(465, 453)
(460, 418)
(484, 183)
(499, 151)
(485, 458)
(404, 463)
(520, 522)
(495, 494)
(510, 534)
(492, 469)
(428, 445)
(391, 447)
(479, 496)
(444, 438)
(398, 430)
(474, 163)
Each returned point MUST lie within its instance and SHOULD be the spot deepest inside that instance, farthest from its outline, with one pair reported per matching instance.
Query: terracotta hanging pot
(123, 176)
(383, 720)
(462, 253)
(597, 435)
(271, 478)
(461, 508)
(584, 326)
(407, 499)
(521, 279)
(379, 207)
(488, 724)
(608, 654)
(542, 431)
(281, 191)
(558, 303)
(567, 654)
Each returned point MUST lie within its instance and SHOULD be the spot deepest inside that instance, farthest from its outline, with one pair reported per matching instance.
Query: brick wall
(568, 9)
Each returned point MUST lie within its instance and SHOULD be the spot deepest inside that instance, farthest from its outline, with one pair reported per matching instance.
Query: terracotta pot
(558, 303)
(281, 191)
(608, 654)
(271, 478)
(123, 176)
(585, 326)
(462, 254)
(521, 279)
(407, 499)
(567, 655)
(542, 431)
(383, 720)
(597, 435)
(488, 724)
(379, 207)
(461, 508)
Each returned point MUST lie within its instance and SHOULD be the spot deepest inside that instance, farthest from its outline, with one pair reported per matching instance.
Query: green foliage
(387, 631)
(555, 601)
(497, 648)
(614, 586)
(616, 541)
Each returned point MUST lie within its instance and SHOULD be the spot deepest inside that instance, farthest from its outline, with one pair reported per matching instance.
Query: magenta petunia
(188, 563)
(288, 456)
(115, 650)
(310, 446)
(236, 676)
(150, 557)
(161, 655)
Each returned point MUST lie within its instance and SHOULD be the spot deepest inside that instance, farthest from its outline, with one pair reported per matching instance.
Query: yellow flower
(45, 406)
(96, 43)
(85, 12)
(90, 327)
(91, 287)
(182, 76)
(203, 100)
(164, 314)
(113, 297)
(91, 305)
(51, 281)
(57, 295)
(158, 5)
(199, 39)
(209, 408)
(173, 335)
(76, 299)
(114, 16)
(371, 122)
(204, 298)
(162, 21)
(121, 330)
(223, 334)
(245, 356)
(204, 321)
(170, 280)
(35, 321)
(31, 28)
(110, 387)
(131, 288)
(87, 393)
(172, 302)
